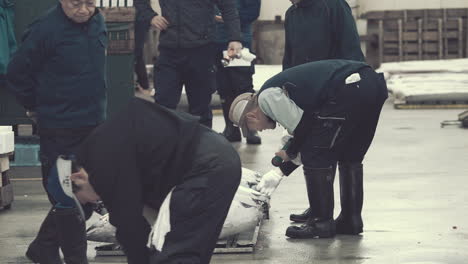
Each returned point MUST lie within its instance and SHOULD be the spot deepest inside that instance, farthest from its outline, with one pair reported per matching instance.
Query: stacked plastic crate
(7, 146)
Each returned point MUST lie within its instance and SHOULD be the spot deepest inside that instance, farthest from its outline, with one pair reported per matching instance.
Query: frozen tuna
(246, 210)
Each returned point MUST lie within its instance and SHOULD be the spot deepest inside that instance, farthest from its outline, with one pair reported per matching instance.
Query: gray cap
(239, 108)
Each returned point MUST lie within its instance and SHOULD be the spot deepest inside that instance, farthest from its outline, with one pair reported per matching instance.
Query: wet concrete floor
(415, 209)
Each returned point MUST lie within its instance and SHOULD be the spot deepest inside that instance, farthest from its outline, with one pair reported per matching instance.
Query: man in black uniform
(58, 76)
(332, 108)
(319, 30)
(187, 50)
(140, 156)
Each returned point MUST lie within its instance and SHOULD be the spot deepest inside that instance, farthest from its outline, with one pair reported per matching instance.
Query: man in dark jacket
(58, 76)
(186, 50)
(232, 81)
(145, 153)
(320, 30)
(331, 108)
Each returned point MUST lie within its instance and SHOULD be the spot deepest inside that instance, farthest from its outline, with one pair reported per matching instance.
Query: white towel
(162, 226)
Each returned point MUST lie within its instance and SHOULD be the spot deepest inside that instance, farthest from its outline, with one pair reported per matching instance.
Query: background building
(391, 30)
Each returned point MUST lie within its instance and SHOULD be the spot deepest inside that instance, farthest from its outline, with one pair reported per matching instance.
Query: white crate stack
(7, 146)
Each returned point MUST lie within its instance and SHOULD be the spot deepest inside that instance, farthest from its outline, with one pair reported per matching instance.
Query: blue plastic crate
(26, 155)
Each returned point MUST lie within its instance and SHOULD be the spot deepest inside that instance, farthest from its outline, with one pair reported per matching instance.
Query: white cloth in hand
(270, 181)
(162, 226)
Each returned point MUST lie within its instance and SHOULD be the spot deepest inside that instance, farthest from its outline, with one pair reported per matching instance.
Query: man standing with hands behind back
(58, 76)
(187, 51)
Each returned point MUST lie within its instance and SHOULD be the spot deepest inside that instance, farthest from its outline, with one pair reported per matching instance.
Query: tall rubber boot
(253, 138)
(351, 194)
(300, 218)
(45, 248)
(231, 133)
(320, 191)
(71, 229)
(304, 216)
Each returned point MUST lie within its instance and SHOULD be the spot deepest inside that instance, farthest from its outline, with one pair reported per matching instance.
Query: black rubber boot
(71, 229)
(351, 194)
(231, 133)
(300, 218)
(45, 248)
(304, 216)
(320, 191)
(253, 138)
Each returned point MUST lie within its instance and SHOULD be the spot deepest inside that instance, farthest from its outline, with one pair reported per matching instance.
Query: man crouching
(141, 156)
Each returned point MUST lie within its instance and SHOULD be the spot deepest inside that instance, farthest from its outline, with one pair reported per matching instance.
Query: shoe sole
(323, 235)
(297, 220)
(349, 231)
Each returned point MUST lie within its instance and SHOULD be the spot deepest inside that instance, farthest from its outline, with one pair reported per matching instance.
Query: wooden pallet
(428, 105)
(241, 243)
(405, 35)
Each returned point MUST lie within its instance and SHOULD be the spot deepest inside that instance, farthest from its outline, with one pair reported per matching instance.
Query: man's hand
(282, 154)
(270, 181)
(234, 49)
(160, 23)
(32, 115)
(219, 19)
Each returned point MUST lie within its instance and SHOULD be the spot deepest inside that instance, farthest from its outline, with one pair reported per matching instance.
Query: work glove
(249, 196)
(270, 181)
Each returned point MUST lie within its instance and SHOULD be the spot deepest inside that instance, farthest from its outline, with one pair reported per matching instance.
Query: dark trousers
(192, 67)
(55, 142)
(333, 140)
(141, 31)
(200, 204)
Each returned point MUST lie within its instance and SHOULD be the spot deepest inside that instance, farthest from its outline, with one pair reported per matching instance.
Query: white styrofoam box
(4, 164)
(7, 139)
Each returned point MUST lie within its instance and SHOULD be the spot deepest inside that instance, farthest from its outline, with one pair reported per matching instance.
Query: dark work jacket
(320, 30)
(249, 10)
(135, 159)
(59, 70)
(191, 22)
(310, 85)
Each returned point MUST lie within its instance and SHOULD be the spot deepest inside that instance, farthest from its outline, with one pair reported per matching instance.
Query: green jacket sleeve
(27, 61)
(345, 32)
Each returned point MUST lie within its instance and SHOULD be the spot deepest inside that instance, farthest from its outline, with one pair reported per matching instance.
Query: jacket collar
(304, 3)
